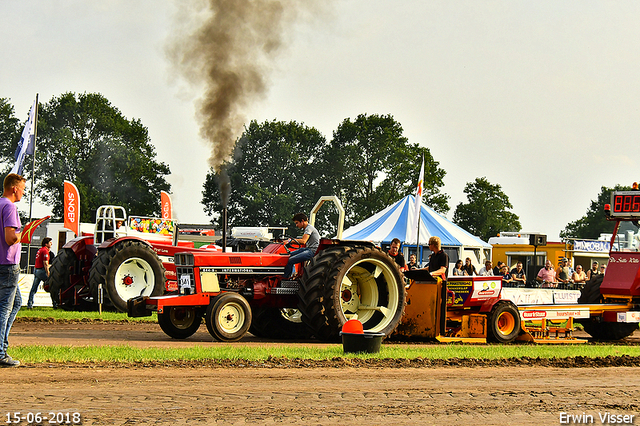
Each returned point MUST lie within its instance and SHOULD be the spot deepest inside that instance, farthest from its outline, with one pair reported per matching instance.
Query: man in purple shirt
(10, 247)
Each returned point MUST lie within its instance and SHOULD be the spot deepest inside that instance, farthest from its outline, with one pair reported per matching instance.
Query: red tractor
(240, 292)
(124, 258)
(621, 282)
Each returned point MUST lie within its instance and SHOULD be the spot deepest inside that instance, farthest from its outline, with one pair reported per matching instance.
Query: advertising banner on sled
(71, 207)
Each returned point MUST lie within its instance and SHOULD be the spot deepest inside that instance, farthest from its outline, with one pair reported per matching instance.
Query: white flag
(27, 141)
(414, 232)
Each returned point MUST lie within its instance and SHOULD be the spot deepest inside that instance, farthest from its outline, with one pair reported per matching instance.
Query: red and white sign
(165, 205)
(554, 314)
(71, 207)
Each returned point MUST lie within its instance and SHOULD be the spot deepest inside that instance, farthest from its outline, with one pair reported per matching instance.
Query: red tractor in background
(621, 282)
(124, 258)
(240, 292)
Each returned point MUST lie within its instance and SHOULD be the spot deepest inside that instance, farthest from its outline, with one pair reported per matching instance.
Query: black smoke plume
(226, 51)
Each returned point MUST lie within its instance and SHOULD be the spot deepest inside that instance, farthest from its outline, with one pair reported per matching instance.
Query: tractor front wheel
(180, 322)
(228, 317)
(504, 323)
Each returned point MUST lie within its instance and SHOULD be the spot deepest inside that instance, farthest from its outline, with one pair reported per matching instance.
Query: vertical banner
(165, 205)
(71, 207)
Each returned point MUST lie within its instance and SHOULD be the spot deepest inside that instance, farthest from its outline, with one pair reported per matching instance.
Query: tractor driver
(310, 238)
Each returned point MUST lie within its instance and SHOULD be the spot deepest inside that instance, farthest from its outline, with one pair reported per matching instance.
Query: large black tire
(504, 323)
(59, 277)
(228, 317)
(276, 323)
(599, 330)
(590, 293)
(608, 331)
(180, 322)
(127, 269)
(342, 283)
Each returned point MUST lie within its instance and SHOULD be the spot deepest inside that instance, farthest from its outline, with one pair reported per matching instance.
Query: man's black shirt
(399, 258)
(437, 261)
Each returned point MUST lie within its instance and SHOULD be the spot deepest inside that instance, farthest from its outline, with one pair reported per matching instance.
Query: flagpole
(33, 176)
(418, 237)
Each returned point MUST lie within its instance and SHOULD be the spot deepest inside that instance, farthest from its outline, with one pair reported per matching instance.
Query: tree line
(278, 168)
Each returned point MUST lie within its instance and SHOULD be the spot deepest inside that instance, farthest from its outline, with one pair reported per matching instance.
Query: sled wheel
(127, 270)
(343, 283)
(180, 322)
(228, 317)
(276, 323)
(504, 323)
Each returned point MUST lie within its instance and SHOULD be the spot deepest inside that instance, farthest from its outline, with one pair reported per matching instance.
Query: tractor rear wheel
(599, 330)
(504, 323)
(343, 283)
(590, 293)
(228, 317)
(276, 323)
(180, 322)
(608, 331)
(60, 277)
(126, 270)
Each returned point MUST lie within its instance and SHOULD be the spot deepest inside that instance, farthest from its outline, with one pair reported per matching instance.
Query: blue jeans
(10, 302)
(297, 256)
(39, 275)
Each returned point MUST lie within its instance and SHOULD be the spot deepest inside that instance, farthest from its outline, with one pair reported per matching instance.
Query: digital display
(625, 204)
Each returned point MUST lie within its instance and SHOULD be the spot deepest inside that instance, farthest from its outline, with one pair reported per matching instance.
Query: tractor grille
(183, 259)
(186, 279)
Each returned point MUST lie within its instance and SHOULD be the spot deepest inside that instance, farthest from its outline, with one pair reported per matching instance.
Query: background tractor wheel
(60, 277)
(504, 323)
(180, 322)
(343, 283)
(228, 318)
(126, 270)
(276, 323)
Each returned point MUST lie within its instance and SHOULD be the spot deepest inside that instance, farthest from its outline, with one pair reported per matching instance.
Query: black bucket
(361, 343)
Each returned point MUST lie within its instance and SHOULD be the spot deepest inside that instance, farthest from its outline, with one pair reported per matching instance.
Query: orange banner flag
(71, 207)
(165, 202)
(30, 228)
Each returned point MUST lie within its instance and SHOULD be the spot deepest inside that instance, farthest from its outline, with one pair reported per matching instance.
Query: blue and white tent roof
(397, 220)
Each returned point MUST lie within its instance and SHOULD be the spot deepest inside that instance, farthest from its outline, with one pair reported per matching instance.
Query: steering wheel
(293, 243)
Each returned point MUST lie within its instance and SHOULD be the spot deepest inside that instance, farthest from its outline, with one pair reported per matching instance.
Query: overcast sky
(541, 97)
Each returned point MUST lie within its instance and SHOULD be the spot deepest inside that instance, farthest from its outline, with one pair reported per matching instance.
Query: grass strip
(126, 353)
(62, 315)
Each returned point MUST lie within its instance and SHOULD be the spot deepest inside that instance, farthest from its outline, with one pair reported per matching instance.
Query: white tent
(397, 220)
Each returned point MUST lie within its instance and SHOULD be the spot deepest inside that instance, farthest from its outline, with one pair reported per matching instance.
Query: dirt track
(337, 393)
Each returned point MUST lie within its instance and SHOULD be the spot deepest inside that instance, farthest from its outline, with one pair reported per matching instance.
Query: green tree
(486, 212)
(87, 141)
(594, 222)
(9, 130)
(273, 175)
(370, 165)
